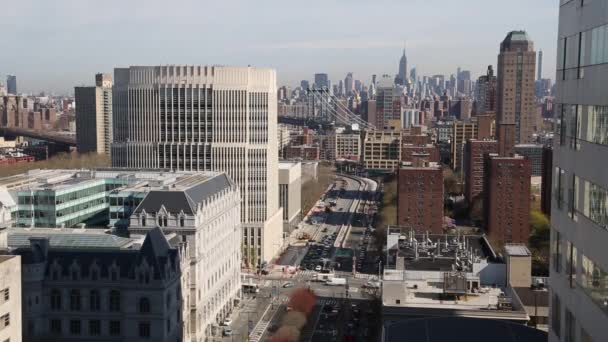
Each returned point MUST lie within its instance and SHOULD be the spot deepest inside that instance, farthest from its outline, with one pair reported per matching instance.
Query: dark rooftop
(459, 329)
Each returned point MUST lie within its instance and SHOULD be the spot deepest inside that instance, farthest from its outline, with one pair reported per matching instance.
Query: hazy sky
(56, 45)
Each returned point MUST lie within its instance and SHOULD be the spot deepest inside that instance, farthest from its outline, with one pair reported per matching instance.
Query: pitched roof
(186, 199)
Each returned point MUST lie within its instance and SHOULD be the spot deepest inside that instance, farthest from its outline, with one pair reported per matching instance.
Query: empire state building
(402, 77)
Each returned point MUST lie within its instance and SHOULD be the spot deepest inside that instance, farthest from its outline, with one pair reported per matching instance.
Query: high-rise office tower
(349, 84)
(402, 76)
(321, 81)
(11, 84)
(206, 118)
(516, 108)
(94, 116)
(341, 88)
(304, 84)
(579, 210)
(539, 75)
(486, 92)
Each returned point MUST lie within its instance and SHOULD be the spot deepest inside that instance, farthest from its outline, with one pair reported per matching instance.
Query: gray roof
(86, 240)
(186, 199)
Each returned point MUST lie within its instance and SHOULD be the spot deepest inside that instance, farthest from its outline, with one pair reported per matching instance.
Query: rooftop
(72, 238)
(517, 250)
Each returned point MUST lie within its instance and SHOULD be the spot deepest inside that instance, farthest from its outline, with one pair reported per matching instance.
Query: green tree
(540, 229)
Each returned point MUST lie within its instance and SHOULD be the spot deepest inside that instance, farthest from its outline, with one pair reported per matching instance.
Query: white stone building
(10, 293)
(206, 118)
(290, 194)
(202, 210)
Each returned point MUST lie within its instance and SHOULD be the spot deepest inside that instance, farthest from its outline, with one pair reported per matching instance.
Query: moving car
(227, 321)
(227, 331)
(288, 285)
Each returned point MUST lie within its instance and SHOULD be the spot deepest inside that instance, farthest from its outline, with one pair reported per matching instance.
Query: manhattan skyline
(335, 37)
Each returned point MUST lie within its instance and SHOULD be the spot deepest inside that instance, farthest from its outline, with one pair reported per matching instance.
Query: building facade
(11, 84)
(94, 116)
(474, 156)
(388, 102)
(579, 210)
(487, 92)
(461, 132)
(534, 153)
(10, 295)
(290, 194)
(420, 197)
(382, 150)
(195, 118)
(516, 108)
(507, 199)
(347, 146)
(122, 289)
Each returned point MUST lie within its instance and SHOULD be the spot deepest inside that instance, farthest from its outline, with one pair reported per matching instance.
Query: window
(94, 301)
(182, 221)
(114, 300)
(169, 325)
(75, 327)
(168, 300)
(144, 305)
(165, 221)
(595, 203)
(570, 324)
(74, 300)
(594, 282)
(557, 253)
(144, 329)
(143, 221)
(5, 295)
(95, 327)
(5, 321)
(597, 124)
(55, 300)
(559, 183)
(114, 328)
(56, 326)
(556, 312)
(571, 262)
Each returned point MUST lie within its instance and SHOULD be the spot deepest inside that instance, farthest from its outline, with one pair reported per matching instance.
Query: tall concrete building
(474, 155)
(94, 116)
(539, 70)
(402, 76)
(579, 210)
(322, 81)
(349, 84)
(461, 132)
(199, 118)
(516, 110)
(11, 84)
(486, 92)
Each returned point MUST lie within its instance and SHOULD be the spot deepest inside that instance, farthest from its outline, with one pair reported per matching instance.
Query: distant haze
(56, 45)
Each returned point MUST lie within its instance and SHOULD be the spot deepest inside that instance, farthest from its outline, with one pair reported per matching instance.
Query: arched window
(144, 305)
(75, 300)
(143, 221)
(95, 301)
(114, 300)
(160, 221)
(182, 221)
(55, 300)
(165, 221)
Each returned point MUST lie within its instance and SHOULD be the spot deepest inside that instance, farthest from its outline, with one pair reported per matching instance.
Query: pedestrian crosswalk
(258, 332)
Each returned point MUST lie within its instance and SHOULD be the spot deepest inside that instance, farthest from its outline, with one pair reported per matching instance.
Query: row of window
(582, 122)
(589, 277)
(584, 197)
(569, 331)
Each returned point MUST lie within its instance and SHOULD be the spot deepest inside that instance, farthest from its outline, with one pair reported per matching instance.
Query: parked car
(227, 321)
(288, 285)
(227, 331)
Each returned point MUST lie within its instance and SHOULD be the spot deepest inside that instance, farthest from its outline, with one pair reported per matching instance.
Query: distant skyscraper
(197, 118)
(402, 76)
(349, 84)
(341, 88)
(321, 81)
(539, 74)
(413, 75)
(486, 92)
(374, 79)
(388, 102)
(516, 110)
(304, 84)
(11, 84)
(358, 87)
(94, 116)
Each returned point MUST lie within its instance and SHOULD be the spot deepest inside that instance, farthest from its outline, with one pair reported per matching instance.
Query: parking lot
(318, 256)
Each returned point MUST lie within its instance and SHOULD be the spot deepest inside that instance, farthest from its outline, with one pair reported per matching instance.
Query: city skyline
(268, 36)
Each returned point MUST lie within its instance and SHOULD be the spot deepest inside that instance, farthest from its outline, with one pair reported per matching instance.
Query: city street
(316, 250)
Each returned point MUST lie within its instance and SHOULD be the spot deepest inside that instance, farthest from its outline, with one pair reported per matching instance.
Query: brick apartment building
(420, 196)
(474, 154)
